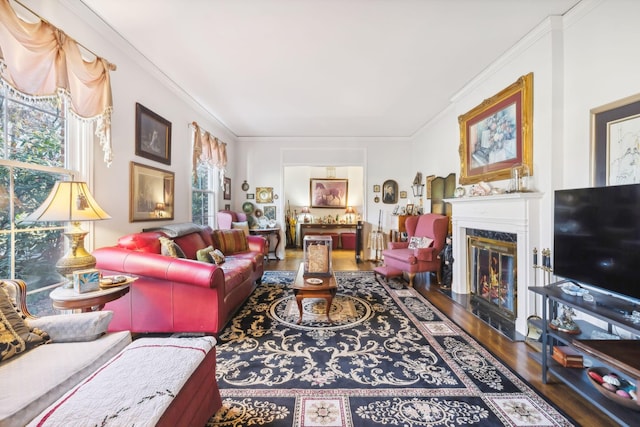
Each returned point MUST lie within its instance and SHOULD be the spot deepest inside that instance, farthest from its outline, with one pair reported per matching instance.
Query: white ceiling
(323, 68)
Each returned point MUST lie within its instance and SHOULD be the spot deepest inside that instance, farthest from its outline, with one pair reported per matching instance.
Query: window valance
(208, 149)
(38, 59)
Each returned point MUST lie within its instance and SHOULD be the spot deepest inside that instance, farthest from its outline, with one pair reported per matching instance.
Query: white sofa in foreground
(61, 382)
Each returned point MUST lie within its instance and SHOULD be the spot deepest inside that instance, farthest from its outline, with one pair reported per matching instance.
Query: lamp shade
(305, 210)
(68, 201)
(350, 210)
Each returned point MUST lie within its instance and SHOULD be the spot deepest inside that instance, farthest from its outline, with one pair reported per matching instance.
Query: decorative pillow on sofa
(420, 242)
(75, 327)
(217, 256)
(204, 254)
(230, 241)
(169, 248)
(15, 335)
(242, 225)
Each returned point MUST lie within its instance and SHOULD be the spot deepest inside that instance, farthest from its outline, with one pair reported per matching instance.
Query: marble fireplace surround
(517, 213)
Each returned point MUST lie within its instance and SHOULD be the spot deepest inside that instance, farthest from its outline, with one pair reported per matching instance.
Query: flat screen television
(597, 237)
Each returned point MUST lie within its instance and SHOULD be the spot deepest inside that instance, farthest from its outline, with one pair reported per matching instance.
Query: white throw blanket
(134, 388)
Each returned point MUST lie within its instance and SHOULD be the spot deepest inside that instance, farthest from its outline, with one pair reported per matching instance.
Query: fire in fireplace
(492, 268)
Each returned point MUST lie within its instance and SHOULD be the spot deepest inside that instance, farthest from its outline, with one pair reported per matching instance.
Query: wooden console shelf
(620, 356)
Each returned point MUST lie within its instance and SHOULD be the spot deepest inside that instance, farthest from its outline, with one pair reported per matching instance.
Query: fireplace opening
(492, 269)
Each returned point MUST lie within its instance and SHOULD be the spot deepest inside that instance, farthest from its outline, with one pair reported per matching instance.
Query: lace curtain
(208, 149)
(38, 59)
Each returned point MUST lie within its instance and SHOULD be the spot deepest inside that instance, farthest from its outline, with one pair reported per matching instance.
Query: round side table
(69, 299)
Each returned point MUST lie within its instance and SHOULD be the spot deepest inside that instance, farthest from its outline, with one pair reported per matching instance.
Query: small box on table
(317, 255)
(86, 280)
(567, 356)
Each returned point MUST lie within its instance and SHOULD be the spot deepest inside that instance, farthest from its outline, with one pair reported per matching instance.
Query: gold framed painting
(497, 134)
(151, 192)
(264, 194)
(615, 130)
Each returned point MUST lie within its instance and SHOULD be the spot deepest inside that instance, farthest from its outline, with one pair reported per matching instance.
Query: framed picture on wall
(403, 194)
(153, 135)
(615, 132)
(390, 192)
(226, 194)
(328, 193)
(270, 212)
(498, 134)
(151, 192)
(376, 188)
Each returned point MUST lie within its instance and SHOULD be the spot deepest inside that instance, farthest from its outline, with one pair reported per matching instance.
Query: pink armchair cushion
(226, 218)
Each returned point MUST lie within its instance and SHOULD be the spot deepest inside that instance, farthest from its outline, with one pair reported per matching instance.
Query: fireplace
(492, 268)
(516, 215)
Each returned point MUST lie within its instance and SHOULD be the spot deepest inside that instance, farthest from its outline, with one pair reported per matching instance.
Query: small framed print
(150, 193)
(376, 188)
(270, 212)
(403, 194)
(227, 207)
(409, 209)
(251, 196)
(227, 188)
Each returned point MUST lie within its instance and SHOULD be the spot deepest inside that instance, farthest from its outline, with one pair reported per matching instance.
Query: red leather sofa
(180, 294)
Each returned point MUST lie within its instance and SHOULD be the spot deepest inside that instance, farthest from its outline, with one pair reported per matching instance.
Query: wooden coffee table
(303, 289)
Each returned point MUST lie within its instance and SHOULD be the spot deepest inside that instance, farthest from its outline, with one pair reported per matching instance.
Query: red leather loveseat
(181, 294)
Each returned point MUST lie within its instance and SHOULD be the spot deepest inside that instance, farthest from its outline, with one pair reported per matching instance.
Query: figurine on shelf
(565, 322)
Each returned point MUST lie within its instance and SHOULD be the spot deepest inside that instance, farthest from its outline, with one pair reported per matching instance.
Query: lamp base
(77, 258)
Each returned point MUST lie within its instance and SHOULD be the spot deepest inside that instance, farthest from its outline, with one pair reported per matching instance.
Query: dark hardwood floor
(514, 354)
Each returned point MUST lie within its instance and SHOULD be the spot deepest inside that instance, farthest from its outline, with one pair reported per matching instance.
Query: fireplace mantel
(517, 213)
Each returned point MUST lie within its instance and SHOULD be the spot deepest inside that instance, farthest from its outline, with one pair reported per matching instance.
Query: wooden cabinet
(620, 356)
(396, 232)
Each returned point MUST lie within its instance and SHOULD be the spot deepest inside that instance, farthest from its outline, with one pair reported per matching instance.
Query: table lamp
(305, 210)
(71, 201)
(350, 211)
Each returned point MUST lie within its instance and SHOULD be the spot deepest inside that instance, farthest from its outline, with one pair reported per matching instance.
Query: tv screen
(597, 237)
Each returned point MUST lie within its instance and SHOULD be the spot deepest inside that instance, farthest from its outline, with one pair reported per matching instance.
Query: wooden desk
(266, 232)
(327, 289)
(305, 228)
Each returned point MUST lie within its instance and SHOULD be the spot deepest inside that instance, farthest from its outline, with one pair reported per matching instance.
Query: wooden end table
(68, 299)
(302, 289)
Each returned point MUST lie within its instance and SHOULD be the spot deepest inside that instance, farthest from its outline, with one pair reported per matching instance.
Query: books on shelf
(567, 356)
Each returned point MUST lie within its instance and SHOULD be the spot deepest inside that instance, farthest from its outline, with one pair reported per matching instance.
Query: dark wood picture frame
(390, 192)
(151, 193)
(153, 135)
(614, 127)
(328, 193)
(498, 134)
(226, 191)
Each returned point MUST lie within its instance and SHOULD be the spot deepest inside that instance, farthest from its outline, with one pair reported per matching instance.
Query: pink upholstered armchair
(419, 255)
(225, 218)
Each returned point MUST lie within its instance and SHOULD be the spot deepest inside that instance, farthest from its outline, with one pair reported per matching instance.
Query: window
(33, 156)
(203, 200)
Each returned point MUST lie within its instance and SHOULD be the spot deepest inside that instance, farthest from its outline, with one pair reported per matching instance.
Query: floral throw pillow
(420, 242)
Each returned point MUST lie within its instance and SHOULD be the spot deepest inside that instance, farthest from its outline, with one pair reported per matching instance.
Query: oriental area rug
(388, 357)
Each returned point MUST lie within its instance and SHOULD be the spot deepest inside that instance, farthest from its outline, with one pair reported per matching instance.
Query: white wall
(133, 81)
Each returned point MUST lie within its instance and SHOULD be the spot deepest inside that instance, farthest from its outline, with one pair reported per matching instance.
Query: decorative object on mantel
(460, 192)
(519, 182)
(498, 134)
(480, 189)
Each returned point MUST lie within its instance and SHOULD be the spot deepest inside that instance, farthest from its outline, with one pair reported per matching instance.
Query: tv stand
(621, 356)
